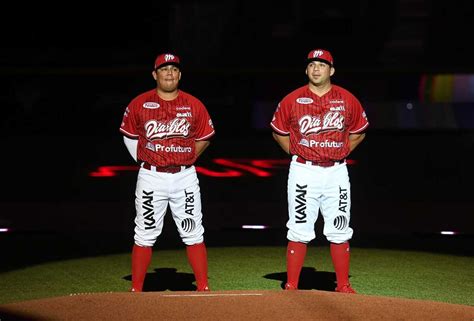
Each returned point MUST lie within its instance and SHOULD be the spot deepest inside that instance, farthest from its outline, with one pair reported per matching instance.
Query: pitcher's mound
(232, 305)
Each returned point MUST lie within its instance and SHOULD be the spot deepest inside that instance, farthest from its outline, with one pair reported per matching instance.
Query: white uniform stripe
(279, 130)
(213, 295)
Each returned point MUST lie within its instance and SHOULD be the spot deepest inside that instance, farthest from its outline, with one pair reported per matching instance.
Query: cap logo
(317, 53)
(169, 57)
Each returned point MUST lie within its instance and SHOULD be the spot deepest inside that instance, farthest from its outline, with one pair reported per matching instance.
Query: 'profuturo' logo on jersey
(304, 142)
(304, 100)
(151, 105)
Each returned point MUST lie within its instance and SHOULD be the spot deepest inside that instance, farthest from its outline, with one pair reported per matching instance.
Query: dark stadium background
(68, 71)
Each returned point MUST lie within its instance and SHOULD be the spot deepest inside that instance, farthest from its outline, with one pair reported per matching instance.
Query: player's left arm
(355, 140)
(201, 145)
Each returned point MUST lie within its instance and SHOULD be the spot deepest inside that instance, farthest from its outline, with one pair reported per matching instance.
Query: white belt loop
(153, 168)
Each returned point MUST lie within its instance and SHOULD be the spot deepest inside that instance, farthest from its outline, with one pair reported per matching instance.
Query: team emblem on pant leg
(340, 222)
(188, 225)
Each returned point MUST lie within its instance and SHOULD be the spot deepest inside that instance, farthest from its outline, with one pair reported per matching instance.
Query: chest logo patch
(304, 100)
(151, 105)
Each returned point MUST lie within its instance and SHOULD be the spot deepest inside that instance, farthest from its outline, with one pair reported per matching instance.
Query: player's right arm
(128, 130)
(280, 126)
(131, 145)
(283, 141)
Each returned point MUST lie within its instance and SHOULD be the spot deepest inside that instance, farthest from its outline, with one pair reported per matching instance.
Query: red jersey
(319, 127)
(166, 130)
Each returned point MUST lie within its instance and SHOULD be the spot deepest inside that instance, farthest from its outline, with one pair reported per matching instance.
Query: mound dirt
(232, 305)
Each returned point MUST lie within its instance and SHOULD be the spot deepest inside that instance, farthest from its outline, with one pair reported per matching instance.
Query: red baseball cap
(166, 59)
(320, 55)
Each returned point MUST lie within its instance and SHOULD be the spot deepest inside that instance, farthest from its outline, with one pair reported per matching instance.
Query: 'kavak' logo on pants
(301, 203)
(148, 207)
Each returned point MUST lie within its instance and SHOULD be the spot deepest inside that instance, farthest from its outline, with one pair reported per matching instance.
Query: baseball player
(165, 130)
(319, 124)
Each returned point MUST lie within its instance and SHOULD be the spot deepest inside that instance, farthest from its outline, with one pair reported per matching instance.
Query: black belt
(330, 163)
(165, 169)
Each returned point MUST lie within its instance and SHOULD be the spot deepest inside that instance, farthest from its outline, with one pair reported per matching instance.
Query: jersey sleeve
(204, 125)
(280, 120)
(128, 126)
(359, 121)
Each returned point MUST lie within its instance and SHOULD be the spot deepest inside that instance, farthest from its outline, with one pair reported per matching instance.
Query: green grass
(393, 273)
